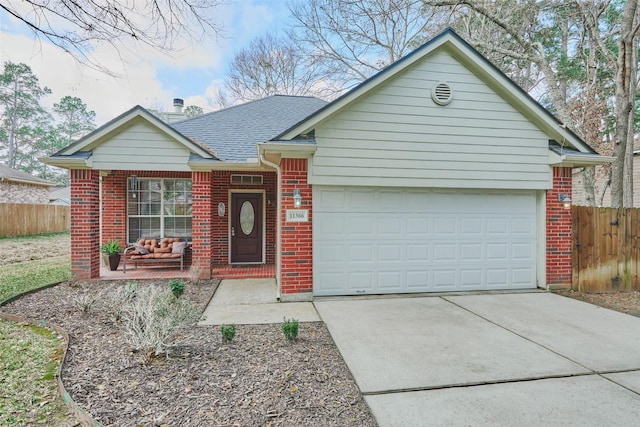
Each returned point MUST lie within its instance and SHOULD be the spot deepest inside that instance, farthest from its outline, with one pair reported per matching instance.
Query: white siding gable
(396, 135)
(140, 146)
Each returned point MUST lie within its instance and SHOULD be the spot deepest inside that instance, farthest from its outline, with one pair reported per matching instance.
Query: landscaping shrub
(153, 317)
(290, 329)
(177, 287)
(228, 332)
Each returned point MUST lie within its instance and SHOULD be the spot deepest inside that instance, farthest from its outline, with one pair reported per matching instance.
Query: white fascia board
(572, 160)
(288, 150)
(201, 166)
(70, 163)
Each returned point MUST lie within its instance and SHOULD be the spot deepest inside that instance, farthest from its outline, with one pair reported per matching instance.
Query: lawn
(29, 355)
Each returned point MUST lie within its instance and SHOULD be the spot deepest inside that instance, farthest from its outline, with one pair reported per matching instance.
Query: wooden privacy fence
(606, 253)
(17, 219)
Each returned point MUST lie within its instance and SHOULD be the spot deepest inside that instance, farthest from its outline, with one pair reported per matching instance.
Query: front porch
(255, 271)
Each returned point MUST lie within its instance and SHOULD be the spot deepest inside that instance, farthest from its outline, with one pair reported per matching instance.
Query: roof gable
(455, 46)
(137, 116)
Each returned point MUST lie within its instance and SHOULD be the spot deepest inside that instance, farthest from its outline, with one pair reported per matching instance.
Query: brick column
(85, 224)
(559, 235)
(296, 237)
(201, 223)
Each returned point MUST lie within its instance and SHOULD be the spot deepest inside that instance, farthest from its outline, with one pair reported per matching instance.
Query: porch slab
(253, 301)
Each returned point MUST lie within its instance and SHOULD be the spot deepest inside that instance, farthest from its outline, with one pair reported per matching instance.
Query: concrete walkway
(490, 359)
(253, 301)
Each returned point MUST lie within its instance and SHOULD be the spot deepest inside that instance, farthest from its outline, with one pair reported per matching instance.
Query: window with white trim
(159, 207)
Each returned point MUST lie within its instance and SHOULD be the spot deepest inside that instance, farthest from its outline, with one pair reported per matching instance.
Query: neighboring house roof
(473, 60)
(60, 196)
(14, 175)
(234, 132)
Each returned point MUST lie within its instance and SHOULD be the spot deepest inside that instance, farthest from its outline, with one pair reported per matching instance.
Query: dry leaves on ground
(260, 378)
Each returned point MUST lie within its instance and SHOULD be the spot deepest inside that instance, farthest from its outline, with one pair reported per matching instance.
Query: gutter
(278, 219)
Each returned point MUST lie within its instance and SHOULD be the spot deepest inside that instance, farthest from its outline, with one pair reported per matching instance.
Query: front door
(246, 227)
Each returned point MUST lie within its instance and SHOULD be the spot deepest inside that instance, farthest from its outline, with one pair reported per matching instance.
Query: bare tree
(76, 26)
(352, 40)
(272, 65)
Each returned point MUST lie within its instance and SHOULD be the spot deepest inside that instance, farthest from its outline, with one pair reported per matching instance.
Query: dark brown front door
(246, 227)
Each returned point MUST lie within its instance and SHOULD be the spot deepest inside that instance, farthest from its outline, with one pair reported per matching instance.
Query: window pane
(160, 202)
(148, 228)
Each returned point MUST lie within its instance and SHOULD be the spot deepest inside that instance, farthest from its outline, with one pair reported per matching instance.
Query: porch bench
(151, 251)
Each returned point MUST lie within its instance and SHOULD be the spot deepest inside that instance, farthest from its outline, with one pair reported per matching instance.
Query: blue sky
(143, 76)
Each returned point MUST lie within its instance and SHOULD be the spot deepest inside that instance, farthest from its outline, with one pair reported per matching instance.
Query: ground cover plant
(30, 262)
(29, 359)
(29, 355)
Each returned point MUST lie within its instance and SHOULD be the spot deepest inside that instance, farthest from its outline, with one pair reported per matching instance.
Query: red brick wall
(202, 230)
(221, 189)
(210, 232)
(85, 224)
(559, 235)
(297, 240)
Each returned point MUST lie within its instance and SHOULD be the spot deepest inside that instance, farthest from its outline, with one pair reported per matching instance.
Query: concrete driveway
(491, 359)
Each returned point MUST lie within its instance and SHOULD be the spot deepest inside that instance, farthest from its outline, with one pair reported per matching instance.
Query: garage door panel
(360, 281)
(390, 253)
(418, 280)
(394, 240)
(390, 280)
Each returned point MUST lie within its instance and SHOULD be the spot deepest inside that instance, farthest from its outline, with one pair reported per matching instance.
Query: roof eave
(26, 181)
(290, 150)
(206, 166)
(67, 163)
(574, 161)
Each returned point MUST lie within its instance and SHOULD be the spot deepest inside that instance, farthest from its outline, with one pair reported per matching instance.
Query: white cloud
(142, 75)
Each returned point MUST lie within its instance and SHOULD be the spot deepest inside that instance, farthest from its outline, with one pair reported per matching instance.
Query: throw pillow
(178, 247)
(142, 250)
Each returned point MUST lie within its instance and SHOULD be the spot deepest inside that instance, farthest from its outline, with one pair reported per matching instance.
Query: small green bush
(228, 332)
(290, 329)
(177, 287)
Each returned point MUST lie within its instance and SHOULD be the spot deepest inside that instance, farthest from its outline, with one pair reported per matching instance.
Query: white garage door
(385, 240)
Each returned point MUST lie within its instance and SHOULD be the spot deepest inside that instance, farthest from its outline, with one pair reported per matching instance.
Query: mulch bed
(259, 378)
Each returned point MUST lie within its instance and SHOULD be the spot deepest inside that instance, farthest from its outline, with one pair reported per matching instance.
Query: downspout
(278, 219)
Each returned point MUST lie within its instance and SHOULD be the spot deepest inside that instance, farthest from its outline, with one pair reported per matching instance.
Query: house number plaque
(297, 215)
(221, 209)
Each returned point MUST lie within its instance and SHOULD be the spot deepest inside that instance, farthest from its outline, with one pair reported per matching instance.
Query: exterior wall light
(297, 198)
(133, 185)
(565, 200)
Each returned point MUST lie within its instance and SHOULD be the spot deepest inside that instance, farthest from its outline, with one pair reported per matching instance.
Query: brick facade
(85, 224)
(17, 192)
(221, 190)
(296, 237)
(210, 241)
(559, 237)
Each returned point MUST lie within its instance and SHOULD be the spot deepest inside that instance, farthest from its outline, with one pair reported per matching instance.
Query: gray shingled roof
(234, 132)
(11, 174)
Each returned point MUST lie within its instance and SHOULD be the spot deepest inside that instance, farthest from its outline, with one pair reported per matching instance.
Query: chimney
(178, 103)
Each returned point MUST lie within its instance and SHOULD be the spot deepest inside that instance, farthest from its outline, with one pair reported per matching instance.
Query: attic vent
(441, 93)
(246, 179)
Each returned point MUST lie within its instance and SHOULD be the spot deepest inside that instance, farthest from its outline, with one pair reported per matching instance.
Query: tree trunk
(626, 70)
